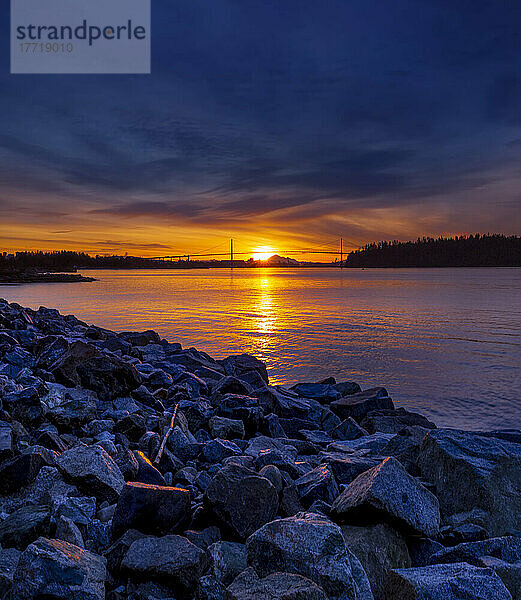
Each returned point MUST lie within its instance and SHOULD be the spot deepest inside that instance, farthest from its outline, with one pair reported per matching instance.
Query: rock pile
(134, 469)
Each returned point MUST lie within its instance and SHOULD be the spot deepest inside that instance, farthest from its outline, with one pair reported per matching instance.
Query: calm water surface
(446, 342)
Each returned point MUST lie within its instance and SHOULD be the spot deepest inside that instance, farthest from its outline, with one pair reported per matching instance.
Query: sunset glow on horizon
(263, 252)
(287, 145)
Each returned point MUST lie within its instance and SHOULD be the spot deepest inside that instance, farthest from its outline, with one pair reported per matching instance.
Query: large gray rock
(358, 405)
(318, 484)
(348, 429)
(92, 470)
(393, 421)
(405, 447)
(502, 554)
(243, 500)
(58, 570)
(323, 392)
(471, 471)
(172, 558)
(379, 548)
(70, 407)
(312, 546)
(346, 467)
(243, 365)
(84, 365)
(151, 509)
(20, 471)
(226, 429)
(388, 491)
(278, 586)
(459, 581)
(228, 559)
(24, 526)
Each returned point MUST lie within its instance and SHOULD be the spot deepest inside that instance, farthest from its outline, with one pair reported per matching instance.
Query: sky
(280, 123)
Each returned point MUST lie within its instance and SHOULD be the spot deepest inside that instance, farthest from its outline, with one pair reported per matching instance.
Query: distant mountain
(460, 251)
(281, 261)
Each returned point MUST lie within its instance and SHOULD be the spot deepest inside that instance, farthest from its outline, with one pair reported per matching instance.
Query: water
(445, 342)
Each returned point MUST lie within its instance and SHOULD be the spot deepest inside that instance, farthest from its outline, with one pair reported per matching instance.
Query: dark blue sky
(278, 121)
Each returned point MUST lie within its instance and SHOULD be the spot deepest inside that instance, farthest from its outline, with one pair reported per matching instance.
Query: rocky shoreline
(36, 276)
(134, 469)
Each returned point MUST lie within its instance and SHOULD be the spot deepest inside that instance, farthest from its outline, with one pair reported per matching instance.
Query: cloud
(279, 115)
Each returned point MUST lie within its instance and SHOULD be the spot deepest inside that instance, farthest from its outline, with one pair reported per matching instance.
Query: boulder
(323, 392)
(20, 471)
(136, 338)
(227, 560)
(472, 471)
(226, 429)
(50, 440)
(230, 385)
(283, 402)
(272, 473)
(316, 437)
(216, 451)
(116, 552)
(146, 472)
(347, 388)
(127, 463)
(348, 429)
(422, 549)
(367, 445)
(318, 484)
(242, 408)
(79, 509)
(242, 365)
(346, 467)
(389, 492)
(67, 407)
(183, 445)
(311, 546)
(358, 405)
(59, 570)
(379, 548)
(171, 558)
(92, 470)
(405, 447)
(24, 526)
(84, 365)
(503, 555)
(459, 581)
(277, 586)
(25, 406)
(243, 500)
(132, 426)
(68, 531)
(151, 509)
(393, 421)
(204, 538)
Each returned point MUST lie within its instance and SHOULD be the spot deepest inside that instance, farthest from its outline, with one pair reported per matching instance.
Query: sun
(263, 252)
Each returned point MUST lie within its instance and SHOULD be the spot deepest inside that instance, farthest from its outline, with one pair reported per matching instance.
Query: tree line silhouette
(460, 251)
(61, 260)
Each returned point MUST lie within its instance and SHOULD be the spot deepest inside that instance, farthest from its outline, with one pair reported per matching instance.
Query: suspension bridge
(231, 254)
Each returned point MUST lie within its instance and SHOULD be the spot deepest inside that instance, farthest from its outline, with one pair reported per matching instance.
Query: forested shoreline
(460, 251)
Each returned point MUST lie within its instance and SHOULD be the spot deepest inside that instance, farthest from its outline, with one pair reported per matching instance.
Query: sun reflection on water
(264, 324)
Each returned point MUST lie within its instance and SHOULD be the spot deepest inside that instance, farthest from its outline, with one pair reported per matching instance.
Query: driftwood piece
(165, 437)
